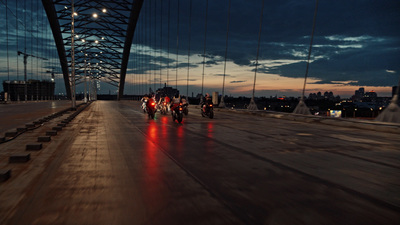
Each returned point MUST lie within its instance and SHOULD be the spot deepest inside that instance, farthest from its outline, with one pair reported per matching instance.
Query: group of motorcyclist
(165, 104)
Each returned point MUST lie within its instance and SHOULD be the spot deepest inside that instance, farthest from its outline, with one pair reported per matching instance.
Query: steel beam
(55, 27)
(136, 7)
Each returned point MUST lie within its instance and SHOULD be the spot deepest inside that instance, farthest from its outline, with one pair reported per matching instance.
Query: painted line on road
(353, 139)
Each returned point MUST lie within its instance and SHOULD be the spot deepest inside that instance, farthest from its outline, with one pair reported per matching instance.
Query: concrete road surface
(14, 115)
(113, 165)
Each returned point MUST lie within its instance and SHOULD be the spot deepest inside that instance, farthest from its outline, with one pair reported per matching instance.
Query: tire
(151, 115)
(211, 114)
(180, 117)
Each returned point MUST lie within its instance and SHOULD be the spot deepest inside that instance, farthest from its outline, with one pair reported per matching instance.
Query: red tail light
(153, 103)
(165, 103)
(211, 105)
(180, 108)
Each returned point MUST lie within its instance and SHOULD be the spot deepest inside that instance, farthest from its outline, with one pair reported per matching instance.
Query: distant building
(327, 96)
(359, 94)
(319, 95)
(371, 95)
(33, 89)
(168, 91)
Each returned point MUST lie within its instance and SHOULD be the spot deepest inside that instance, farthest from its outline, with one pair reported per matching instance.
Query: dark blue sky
(356, 44)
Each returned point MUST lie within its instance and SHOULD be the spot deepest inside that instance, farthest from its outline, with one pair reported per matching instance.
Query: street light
(85, 93)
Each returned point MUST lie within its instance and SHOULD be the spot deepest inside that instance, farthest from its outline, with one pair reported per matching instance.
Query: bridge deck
(112, 165)
(14, 115)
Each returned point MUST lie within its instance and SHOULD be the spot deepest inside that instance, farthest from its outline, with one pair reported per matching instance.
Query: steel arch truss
(101, 44)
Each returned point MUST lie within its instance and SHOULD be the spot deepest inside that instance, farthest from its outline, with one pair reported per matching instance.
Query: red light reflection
(151, 177)
(164, 135)
(179, 132)
(151, 148)
(210, 129)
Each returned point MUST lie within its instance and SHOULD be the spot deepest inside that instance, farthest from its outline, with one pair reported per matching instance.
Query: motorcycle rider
(176, 100)
(207, 101)
(168, 101)
(185, 105)
(151, 99)
(144, 101)
(164, 99)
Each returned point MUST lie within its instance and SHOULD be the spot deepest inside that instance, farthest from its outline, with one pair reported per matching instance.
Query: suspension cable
(188, 70)
(25, 34)
(204, 52)
(31, 40)
(8, 57)
(16, 22)
(148, 40)
(258, 48)
(155, 43)
(169, 17)
(161, 32)
(150, 43)
(309, 50)
(37, 41)
(177, 49)
(141, 37)
(226, 51)
(143, 55)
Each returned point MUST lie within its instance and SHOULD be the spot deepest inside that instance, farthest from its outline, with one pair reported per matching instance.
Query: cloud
(390, 71)
(221, 75)
(360, 46)
(185, 65)
(237, 81)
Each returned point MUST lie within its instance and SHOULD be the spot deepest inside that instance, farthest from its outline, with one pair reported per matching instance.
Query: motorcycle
(151, 109)
(185, 109)
(163, 108)
(144, 106)
(177, 113)
(208, 110)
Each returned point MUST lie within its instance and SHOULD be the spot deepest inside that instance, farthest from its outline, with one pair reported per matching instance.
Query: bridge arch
(102, 42)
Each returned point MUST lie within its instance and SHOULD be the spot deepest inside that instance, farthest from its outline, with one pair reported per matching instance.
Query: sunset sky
(356, 44)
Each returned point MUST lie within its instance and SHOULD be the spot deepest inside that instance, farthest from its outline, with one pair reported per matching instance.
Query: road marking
(304, 134)
(353, 139)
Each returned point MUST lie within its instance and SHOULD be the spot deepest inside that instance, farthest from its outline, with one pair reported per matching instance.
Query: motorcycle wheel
(211, 114)
(180, 117)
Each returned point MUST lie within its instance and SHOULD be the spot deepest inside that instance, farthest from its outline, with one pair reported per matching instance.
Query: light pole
(92, 89)
(85, 93)
(73, 97)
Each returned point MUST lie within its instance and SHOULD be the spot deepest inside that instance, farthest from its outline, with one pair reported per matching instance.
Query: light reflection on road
(152, 173)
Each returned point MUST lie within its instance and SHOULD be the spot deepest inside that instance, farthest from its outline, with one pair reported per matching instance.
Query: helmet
(207, 95)
(176, 95)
